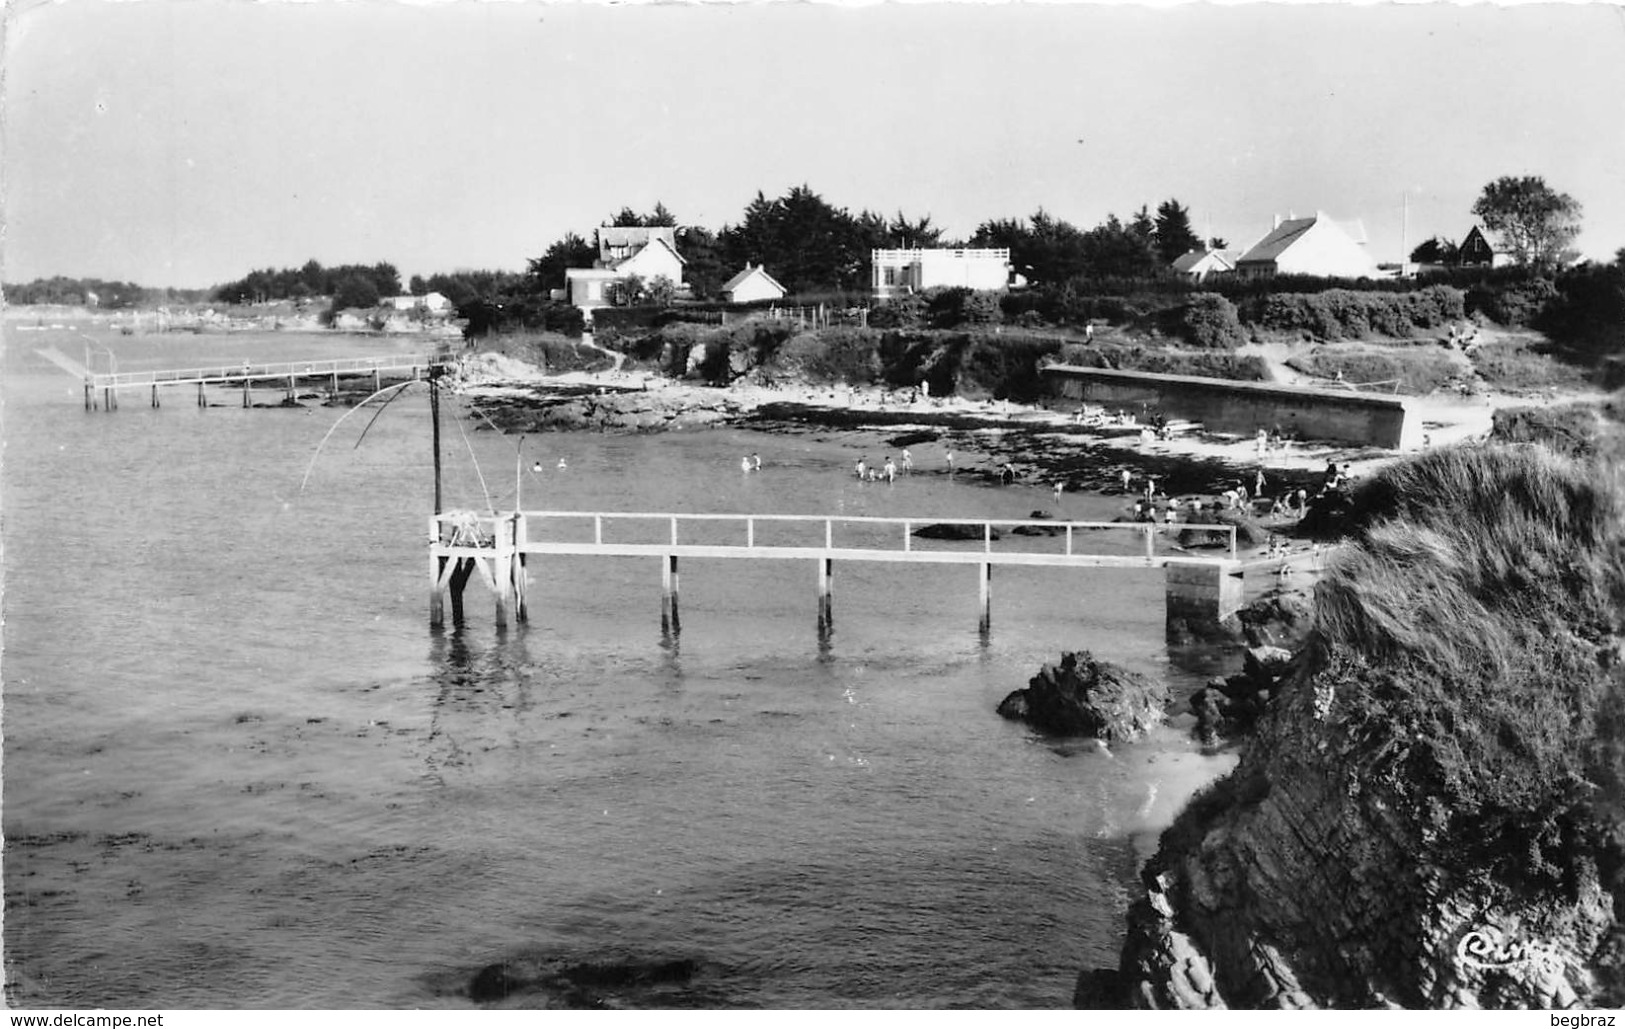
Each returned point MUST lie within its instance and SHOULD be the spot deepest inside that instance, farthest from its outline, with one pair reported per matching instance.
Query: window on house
(891, 276)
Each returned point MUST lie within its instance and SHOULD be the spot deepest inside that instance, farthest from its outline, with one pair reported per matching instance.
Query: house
(432, 303)
(1309, 246)
(1197, 265)
(647, 251)
(754, 283)
(900, 272)
(1476, 252)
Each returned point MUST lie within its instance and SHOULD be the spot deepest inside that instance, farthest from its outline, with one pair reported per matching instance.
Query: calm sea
(241, 771)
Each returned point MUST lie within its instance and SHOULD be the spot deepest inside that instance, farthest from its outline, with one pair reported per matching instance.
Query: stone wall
(1223, 405)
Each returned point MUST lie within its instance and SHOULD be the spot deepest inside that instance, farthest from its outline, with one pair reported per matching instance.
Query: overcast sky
(185, 143)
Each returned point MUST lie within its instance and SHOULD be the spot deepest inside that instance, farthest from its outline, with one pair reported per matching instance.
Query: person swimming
(756, 462)
(562, 464)
(744, 465)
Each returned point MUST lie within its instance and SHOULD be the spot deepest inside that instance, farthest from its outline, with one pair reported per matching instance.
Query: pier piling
(670, 620)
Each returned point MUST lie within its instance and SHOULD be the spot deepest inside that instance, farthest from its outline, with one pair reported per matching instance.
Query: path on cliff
(614, 355)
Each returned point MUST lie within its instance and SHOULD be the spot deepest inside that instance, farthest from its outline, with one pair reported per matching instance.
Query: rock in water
(1084, 697)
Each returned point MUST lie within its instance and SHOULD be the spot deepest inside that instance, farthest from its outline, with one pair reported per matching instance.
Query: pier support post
(986, 577)
(521, 604)
(245, 392)
(377, 380)
(501, 584)
(670, 621)
(333, 394)
(1201, 596)
(293, 390)
(200, 401)
(826, 607)
(437, 596)
(155, 394)
(459, 580)
(90, 395)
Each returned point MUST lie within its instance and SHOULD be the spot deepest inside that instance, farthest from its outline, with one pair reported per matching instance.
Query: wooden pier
(285, 375)
(498, 547)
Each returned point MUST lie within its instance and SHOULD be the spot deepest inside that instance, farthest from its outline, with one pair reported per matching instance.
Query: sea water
(240, 770)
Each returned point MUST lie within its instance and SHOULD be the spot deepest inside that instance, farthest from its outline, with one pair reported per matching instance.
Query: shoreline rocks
(1080, 696)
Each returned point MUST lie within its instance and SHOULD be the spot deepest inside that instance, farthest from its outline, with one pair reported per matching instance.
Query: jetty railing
(498, 545)
(282, 372)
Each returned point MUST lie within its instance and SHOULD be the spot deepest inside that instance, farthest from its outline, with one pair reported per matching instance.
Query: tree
(1218, 243)
(417, 287)
(547, 272)
(1436, 250)
(356, 290)
(1174, 236)
(662, 291)
(1533, 222)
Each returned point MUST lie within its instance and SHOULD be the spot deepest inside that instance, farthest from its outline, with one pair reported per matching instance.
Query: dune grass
(1464, 643)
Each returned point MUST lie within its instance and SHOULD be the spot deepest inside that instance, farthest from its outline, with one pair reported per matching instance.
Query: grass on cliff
(1468, 649)
(1410, 370)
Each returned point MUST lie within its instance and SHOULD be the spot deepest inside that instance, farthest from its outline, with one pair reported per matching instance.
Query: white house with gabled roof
(754, 283)
(1310, 246)
(1199, 264)
(647, 251)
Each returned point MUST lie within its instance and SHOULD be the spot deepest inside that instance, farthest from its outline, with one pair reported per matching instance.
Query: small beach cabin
(754, 283)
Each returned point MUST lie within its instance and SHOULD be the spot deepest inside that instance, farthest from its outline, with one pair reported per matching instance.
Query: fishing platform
(285, 375)
(498, 548)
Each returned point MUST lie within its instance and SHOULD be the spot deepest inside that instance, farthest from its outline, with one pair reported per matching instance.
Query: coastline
(1043, 441)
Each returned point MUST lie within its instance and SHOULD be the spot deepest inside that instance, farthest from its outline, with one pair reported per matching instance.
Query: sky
(184, 143)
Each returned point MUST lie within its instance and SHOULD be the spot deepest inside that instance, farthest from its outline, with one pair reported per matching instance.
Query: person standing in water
(949, 453)
(744, 465)
(908, 462)
(862, 468)
(891, 470)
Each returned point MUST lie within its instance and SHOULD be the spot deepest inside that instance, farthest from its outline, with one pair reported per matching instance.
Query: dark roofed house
(1476, 252)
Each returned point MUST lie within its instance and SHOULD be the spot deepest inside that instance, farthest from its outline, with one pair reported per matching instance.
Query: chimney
(1277, 222)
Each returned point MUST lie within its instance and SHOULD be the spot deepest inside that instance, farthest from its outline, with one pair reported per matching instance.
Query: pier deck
(498, 547)
(286, 374)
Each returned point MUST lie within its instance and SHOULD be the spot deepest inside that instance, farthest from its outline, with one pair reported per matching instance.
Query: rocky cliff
(1431, 812)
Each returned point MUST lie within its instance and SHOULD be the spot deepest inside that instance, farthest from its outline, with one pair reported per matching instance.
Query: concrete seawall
(1223, 405)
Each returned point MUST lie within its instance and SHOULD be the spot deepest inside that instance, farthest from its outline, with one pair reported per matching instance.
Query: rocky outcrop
(1429, 812)
(1229, 706)
(1287, 887)
(606, 410)
(1080, 696)
(956, 531)
(555, 981)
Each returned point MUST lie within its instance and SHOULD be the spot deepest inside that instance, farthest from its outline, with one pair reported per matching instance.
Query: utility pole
(434, 415)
